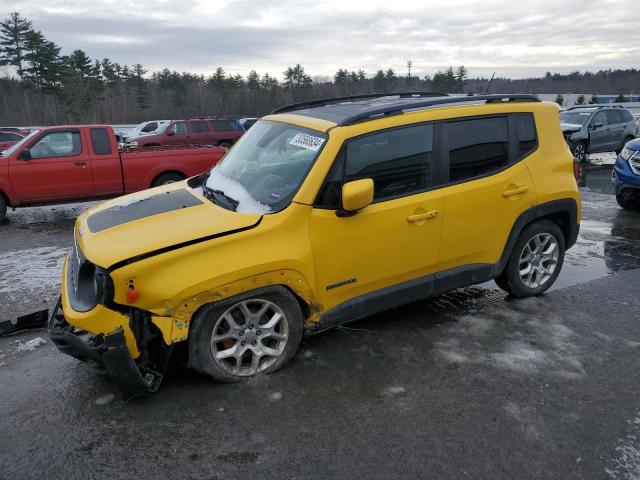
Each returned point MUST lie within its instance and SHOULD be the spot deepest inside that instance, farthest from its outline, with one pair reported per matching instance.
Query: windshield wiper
(220, 197)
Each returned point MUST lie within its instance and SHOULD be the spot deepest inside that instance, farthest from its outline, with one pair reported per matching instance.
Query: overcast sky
(515, 38)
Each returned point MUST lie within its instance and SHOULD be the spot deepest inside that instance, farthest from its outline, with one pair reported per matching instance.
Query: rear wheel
(247, 335)
(3, 208)
(167, 178)
(536, 260)
(628, 199)
(580, 152)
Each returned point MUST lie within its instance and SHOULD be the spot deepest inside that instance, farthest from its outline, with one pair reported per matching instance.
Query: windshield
(264, 170)
(576, 118)
(16, 147)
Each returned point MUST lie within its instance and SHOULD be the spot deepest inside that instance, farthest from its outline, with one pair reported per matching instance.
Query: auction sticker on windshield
(307, 141)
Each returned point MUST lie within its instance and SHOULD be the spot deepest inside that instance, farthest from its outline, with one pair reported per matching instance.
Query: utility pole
(409, 63)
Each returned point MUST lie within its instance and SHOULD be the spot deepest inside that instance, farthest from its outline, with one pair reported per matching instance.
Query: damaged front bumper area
(105, 339)
(106, 352)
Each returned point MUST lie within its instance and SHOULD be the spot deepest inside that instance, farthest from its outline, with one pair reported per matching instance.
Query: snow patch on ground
(396, 390)
(274, 397)
(30, 345)
(103, 400)
(22, 271)
(627, 464)
(515, 337)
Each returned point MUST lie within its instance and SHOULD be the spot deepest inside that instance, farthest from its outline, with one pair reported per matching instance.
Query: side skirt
(404, 293)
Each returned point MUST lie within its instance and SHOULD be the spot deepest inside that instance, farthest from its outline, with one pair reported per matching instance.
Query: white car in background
(146, 128)
(247, 122)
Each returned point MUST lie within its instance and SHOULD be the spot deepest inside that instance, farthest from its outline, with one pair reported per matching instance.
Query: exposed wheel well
(559, 218)
(173, 172)
(6, 198)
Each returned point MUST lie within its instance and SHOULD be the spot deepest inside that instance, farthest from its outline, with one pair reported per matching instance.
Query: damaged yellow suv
(323, 213)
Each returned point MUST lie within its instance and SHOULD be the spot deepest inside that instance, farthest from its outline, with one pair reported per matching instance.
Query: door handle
(81, 163)
(515, 191)
(422, 216)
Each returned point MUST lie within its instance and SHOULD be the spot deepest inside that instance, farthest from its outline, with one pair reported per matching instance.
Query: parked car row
(222, 132)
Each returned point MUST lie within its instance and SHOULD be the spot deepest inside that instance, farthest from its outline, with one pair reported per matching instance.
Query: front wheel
(580, 152)
(167, 178)
(247, 335)
(536, 260)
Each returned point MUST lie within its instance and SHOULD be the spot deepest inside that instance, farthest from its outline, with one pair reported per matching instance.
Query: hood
(153, 221)
(570, 127)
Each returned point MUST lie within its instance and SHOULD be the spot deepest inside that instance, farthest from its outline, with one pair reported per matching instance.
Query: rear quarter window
(100, 141)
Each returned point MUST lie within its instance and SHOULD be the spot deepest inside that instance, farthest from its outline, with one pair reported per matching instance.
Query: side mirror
(597, 125)
(355, 196)
(25, 155)
(170, 133)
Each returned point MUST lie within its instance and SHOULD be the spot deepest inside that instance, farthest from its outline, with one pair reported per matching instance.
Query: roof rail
(400, 108)
(597, 107)
(329, 101)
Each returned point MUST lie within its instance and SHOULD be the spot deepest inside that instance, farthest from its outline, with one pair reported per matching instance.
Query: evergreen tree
(580, 100)
(560, 99)
(379, 82)
(253, 80)
(14, 32)
(620, 99)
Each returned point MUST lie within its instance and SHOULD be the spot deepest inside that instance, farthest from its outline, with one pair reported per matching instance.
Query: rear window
(627, 116)
(477, 147)
(526, 134)
(198, 126)
(100, 141)
(226, 125)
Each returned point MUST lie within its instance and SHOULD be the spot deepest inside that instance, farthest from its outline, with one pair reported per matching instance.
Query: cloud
(514, 38)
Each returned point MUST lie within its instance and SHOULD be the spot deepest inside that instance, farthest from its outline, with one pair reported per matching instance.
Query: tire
(243, 336)
(580, 151)
(511, 281)
(225, 144)
(167, 178)
(628, 199)
(3, 209)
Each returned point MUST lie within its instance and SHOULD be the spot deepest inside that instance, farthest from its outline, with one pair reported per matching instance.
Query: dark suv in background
(595, 129)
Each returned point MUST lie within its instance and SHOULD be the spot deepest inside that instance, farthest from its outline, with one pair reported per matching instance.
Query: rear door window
(100, 141)
(477, 147)
(613, 117)
(526, 134)
(198, 126)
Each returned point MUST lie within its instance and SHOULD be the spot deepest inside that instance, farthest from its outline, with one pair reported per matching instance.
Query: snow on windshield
(233, 189)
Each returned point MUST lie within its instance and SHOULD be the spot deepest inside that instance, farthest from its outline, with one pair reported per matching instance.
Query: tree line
(50, 87)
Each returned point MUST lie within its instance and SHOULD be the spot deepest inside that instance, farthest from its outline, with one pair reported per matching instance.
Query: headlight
(133, 144)
(634, 163)
(627, 153)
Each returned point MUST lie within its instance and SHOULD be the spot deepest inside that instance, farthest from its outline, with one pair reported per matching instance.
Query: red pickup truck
(74, 163)
(199, 131)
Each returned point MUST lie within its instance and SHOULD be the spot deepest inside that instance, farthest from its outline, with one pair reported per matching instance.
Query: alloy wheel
(249, 337)
(538, 260)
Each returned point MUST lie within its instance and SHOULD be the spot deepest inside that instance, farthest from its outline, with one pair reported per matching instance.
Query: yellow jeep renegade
(323, 213)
